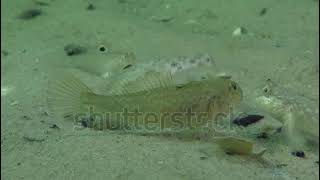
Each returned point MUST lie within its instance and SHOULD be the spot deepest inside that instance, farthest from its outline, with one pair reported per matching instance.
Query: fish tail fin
(64, 94)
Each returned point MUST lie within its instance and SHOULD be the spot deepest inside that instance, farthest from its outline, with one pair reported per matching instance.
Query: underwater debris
(73, 49)
(30, 14)
(299, 154)
(245, 120)
(233, 145)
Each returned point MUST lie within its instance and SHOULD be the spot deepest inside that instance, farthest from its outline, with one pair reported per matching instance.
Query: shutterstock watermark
(136, 120)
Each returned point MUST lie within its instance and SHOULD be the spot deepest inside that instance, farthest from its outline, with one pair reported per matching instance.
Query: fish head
(229, 89)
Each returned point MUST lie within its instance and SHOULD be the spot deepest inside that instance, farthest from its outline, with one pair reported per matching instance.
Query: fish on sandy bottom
(154, 101)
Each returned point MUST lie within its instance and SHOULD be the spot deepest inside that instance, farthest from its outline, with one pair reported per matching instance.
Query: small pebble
(30, 14)
(239, 31)
(91, 7)
(127, 66)
(26, 117)
(298, 154)
(203, 157)
(103, 49)
(54, 126)
(73, 49)
(263, 11)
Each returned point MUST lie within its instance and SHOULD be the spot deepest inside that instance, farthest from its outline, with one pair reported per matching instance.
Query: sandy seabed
(279, 42)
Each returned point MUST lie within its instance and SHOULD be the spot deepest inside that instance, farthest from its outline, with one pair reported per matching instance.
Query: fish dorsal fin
(150, 80)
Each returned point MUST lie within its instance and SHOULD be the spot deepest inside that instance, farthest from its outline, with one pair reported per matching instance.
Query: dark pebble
(102, 49)
(4, 53)
(91, 7)
(26, 117)
(54, 126)
(247, 120)
(30, 14)
(203, 157)
(298, 154)
(263, 11)
(243, 30)
(127, 66)
(73, 49)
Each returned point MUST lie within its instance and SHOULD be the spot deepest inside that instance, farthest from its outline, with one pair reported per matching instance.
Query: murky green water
(269, 49)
